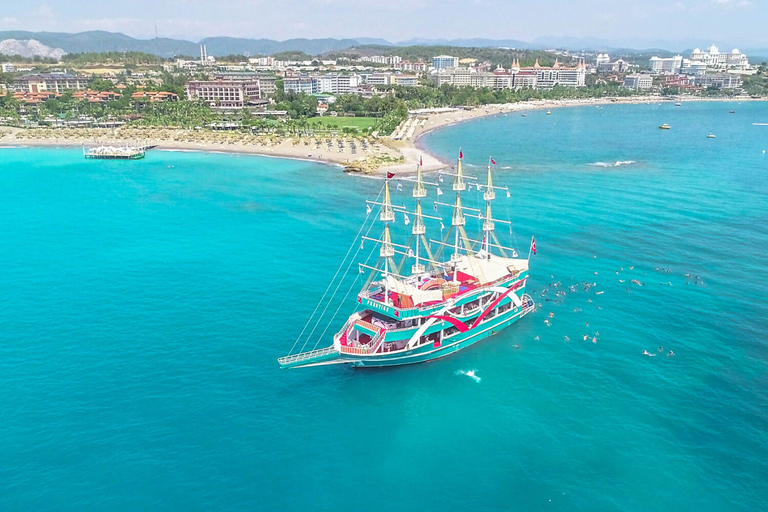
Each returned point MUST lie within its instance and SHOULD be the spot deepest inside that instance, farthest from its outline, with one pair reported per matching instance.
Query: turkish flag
(533, 245)
(461, 155)
(390, 175)
(493, 161)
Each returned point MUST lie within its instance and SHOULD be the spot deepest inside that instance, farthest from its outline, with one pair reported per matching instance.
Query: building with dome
(714, 58)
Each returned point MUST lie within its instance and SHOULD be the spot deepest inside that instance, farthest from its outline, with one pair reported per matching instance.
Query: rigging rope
(344, 300)
(334, 278)
(334, 294)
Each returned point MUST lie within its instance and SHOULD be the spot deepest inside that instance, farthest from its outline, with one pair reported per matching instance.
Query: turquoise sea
(143, 306)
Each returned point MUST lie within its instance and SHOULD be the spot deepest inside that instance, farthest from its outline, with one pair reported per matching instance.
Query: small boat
(731, 111)
(525, 115)
(678, 104)
(549, 112)
(711, 136)
(664, 126)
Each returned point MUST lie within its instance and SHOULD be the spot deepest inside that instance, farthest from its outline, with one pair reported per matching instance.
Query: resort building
(618, 66)
(407, 65)
(266, 81)
(670, 65)
(547, 78)
(55, 82)
(445, 61)
(154, 96)
(338, 84)
(225, 93)
(524, 79)
(405, 80)
(693, 67)
(720, 81)
(7, 67)
(305, 84)
(714, 58)
(379, 79)
(638, 81)
(95, 96)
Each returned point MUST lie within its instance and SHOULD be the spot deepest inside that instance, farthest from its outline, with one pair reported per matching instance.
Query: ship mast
(458, 220)
(488, 195)
(387, 250)
(418, 230)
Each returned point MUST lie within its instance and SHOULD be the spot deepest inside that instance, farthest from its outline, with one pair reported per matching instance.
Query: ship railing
(304, 356)
(528, 303)
(363, 350)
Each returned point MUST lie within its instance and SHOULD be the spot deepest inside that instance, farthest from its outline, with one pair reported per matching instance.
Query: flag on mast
(533, 245)
(420, 164)
(461, 155)
(390, 175)
(493, 161)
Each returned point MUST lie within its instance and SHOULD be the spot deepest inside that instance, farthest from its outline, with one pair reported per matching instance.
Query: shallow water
(144, 305)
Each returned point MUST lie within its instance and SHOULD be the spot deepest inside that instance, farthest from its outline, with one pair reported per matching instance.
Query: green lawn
(361, 123)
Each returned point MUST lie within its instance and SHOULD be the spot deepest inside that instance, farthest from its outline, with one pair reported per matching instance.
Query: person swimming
(661, 349)
(646, 353)
(670, 354)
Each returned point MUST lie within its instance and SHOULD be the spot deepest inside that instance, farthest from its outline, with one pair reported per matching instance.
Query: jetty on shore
(116, 152)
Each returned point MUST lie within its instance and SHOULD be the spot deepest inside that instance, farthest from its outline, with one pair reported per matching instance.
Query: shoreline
(379, 157)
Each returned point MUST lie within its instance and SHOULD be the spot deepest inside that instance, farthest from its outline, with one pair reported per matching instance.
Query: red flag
(493, 161)
(461, 155)
(420, 164)
(390, 175)
(533, 245)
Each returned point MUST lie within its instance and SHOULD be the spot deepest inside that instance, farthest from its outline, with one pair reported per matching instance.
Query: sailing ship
(467, 290)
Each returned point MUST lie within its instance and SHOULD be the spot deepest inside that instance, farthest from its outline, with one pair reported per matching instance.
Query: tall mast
(458, 215)
(387, 250)
(418, 230)
(488, 195)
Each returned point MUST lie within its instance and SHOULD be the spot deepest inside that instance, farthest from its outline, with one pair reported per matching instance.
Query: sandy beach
(355, 153)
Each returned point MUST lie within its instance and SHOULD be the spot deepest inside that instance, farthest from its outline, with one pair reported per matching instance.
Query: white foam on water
(617, 163)
(470, 373)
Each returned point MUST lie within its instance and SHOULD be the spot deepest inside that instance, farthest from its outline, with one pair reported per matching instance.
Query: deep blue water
(143, 306)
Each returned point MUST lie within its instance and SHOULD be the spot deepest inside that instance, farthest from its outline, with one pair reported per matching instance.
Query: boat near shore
(428, 304)
(665, 126)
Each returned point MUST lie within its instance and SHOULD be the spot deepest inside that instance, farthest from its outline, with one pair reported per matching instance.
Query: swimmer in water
(594, 340)
(585, 337)
(516, 345)
(646, 353)
(566, 338)
(671, 354)
(661, 349)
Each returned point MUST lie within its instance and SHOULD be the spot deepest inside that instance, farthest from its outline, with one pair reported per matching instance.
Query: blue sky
(731, 23)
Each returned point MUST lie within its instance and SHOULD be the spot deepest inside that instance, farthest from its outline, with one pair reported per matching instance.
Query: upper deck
(421, 294)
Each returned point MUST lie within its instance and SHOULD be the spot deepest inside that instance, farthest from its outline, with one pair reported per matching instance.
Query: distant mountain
(239, 46)
(29, 48)
(100, 41)
(373, 41)
(469, 43)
